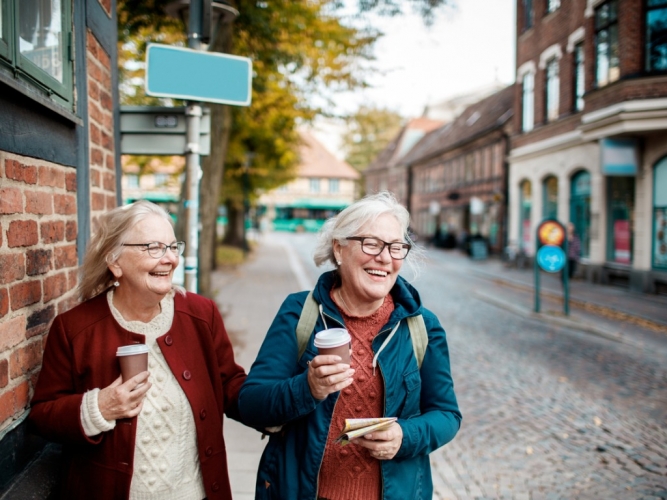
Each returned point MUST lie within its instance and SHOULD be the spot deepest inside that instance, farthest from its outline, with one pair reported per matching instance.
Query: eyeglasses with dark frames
(157, 249)
(375, 246)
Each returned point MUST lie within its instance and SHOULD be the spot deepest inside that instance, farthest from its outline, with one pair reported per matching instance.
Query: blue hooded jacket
(276, 394)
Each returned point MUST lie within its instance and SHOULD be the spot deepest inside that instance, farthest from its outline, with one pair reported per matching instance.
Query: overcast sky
(468, 47)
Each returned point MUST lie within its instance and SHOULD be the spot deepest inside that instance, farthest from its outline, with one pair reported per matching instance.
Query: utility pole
(192, 161)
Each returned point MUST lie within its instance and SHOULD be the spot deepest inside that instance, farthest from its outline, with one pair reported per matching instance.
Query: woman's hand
(383, 445)
(123, 400)
(326, 374)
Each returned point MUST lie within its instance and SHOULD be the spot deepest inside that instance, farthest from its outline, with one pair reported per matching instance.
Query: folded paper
(357, 427)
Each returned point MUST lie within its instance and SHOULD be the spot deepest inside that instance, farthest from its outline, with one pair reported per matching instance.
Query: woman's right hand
(123, 400)
(327, 374)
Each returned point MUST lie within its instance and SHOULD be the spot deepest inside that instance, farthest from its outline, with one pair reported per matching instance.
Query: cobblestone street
(549, 411)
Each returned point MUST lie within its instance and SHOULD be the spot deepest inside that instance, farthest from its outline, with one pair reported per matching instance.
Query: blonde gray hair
(106, 245)
(356, 216)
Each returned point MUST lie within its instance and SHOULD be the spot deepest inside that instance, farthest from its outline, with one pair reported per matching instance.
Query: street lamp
(213, 12)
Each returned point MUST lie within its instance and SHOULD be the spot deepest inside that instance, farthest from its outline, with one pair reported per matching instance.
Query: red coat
(80, 355)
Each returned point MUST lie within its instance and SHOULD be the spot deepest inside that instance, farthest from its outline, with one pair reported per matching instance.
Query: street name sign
(155, 130)
(195, 75)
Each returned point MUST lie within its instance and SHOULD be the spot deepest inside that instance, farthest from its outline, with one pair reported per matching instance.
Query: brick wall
(38, 233)
(100, 110)
(38, 269)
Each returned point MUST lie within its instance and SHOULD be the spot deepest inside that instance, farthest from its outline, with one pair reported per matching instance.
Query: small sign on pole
(551, 257)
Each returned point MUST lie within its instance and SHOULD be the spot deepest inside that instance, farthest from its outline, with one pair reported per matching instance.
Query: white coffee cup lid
(333, 337)
(128, 350)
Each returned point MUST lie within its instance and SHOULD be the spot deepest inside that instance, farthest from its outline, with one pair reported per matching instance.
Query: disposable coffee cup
(334, 341)
(133, 360)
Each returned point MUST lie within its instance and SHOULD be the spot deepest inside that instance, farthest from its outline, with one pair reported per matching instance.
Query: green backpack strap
(306, 324)
(308, 318)
(419, 336)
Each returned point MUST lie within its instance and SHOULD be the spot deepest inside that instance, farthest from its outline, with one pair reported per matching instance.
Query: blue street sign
(198, 76)
(551, 258)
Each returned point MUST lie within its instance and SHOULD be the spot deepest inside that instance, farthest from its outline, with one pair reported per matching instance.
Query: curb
(582, 304)
(564, 322)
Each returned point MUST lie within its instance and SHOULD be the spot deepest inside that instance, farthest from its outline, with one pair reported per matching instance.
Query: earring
(339, 263)
(116, 283)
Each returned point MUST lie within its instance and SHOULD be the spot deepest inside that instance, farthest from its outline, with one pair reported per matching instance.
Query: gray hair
(106, 245)
(359, 214)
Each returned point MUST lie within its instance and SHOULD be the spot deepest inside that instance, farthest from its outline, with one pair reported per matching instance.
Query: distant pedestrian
(304, 402)
(573, 249)
(157, 435)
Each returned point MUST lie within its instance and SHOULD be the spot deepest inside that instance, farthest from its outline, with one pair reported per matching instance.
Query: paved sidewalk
(249, 297)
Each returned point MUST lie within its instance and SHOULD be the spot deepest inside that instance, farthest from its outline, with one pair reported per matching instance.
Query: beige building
(324, 185)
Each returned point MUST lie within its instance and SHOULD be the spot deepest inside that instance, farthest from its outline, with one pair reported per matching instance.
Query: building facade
(323, 186)
(387, 172)
(459, 174)
(591, 140)
(58, 172)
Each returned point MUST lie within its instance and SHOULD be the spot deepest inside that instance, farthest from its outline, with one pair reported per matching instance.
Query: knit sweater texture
(166, 459)
(350, 471)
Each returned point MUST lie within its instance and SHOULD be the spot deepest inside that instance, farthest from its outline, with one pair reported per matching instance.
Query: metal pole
(193, 169)
(193, 113)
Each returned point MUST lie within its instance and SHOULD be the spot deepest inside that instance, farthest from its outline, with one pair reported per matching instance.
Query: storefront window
(550, 198)
(660, 215)
(525, 205)
(580, 209)
(621, 219)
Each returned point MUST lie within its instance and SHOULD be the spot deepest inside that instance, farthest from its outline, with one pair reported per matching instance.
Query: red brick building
(59, 168)
(459, 173)
(591, 140)
(387, 172)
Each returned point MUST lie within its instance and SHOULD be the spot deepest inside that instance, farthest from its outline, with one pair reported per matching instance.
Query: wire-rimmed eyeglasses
(375, 246)
(157, 249)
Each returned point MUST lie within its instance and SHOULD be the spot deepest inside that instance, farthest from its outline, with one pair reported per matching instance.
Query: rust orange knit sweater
(349, 472)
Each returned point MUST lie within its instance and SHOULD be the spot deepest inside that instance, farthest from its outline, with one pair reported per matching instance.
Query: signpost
(197, 76)
(154, 130)
(551, 257)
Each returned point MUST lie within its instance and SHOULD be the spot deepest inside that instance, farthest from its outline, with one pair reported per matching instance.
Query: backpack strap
(419, 336)
(308, 318)
(306, 324)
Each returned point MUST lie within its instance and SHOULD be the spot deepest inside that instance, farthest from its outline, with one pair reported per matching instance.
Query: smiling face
(144, 278)
(367, 279)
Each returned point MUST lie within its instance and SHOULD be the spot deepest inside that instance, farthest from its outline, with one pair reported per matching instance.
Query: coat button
(209, 451)
(168, 340)
(202, 414)
(215, 486)
(187, 375)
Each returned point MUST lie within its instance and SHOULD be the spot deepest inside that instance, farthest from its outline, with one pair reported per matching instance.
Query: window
(333, 185)
(552, 89)
(525, 207)
(132, 181)
(527, 116)
(579, 76)
(552, 5)
(527, 14)
(656, 35)
(35, 37)
(161, 180)
(607, 68)
(580, 209)
(550, 198)
(314, 185)
(660, 215)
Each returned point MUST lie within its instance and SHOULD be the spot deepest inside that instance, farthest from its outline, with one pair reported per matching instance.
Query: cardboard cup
(133, 360)
(334, 341)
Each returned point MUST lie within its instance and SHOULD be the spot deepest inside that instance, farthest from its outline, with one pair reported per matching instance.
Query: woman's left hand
(383, 445)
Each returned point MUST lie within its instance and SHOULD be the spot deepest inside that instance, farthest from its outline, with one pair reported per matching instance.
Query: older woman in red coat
(157, 435)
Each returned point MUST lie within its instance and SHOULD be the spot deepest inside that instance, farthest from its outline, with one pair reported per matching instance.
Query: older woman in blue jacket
(303, 402)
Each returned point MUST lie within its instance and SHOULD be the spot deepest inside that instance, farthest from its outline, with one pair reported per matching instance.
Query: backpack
(310, 312)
